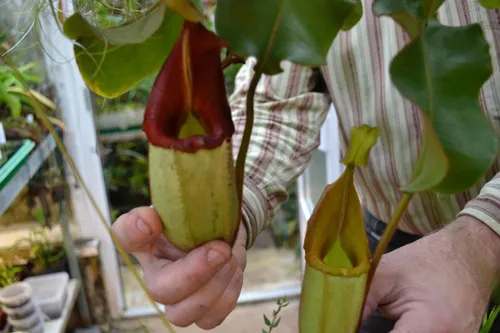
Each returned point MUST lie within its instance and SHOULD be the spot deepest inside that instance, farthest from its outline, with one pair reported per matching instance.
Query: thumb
(381, 287)
(138, 229)
(414, 321)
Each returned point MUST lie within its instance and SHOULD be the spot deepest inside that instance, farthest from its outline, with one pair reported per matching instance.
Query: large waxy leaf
(410, 14)
(337, 252)
(432, 164)
(490, 4)
(114, 60)
(354, 17)
(442, 71)
(275, 30)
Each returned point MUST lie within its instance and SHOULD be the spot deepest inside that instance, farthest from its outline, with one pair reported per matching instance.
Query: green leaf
(489, 319)
(432, 164)
(267, 321)
(277, 322)
(13, 102)
(410, 14)
(264, 331)
(354, 17)
(490, 4)
(442, 72)
(114, 60)
(276, 30)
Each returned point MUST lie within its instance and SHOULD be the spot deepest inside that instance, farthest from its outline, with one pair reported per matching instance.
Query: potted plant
(45, 257)
(270, 51)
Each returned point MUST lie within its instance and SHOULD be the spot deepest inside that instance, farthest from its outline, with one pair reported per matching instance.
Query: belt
(375, 228)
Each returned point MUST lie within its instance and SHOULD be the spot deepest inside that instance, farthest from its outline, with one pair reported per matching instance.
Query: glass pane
(316, 176)
(273, 263)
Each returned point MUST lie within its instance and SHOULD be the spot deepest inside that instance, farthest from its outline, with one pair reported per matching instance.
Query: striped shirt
(289, 113)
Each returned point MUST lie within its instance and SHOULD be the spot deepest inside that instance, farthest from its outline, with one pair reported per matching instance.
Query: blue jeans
(378, 323)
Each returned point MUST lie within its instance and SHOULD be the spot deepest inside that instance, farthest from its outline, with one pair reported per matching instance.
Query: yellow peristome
(194, 194)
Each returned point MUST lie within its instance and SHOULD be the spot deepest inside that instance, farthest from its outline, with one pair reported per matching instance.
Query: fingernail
(215, 258)
(142, 226)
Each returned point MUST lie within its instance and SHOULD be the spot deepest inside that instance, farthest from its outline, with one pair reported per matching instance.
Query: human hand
(440, 283)
(199, 287)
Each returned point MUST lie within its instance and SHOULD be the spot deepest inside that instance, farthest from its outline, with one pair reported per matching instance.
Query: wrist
(478, 247)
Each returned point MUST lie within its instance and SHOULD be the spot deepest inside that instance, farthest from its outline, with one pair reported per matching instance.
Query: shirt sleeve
(486, 206)
(288, 115)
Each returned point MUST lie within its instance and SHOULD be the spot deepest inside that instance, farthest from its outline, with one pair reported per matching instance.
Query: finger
(138, 229)
(169, 282)
(225, 304)
(163, 248)
(188, 310)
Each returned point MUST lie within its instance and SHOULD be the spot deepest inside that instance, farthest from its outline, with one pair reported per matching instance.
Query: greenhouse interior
(117, 181)
(49, 230)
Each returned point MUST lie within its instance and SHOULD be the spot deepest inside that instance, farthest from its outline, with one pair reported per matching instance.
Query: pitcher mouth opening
(188, 108)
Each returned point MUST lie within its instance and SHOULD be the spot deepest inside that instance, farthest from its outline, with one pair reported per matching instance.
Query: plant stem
(283, 302)
(271, 327)
(384, 242)
(388, 234)
(46, 122)
(245, 141)
(231, 59)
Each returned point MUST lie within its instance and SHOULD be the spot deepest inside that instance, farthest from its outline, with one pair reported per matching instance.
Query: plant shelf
(15, 174)
(118, 135)
(14, 162)
(59, 325)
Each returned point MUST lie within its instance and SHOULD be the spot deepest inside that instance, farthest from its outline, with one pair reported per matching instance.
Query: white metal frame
(82, 144)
